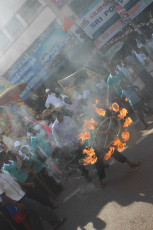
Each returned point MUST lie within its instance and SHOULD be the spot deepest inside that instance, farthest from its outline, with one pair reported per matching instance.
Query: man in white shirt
(52, 99)
(12, 193)
(65, 131)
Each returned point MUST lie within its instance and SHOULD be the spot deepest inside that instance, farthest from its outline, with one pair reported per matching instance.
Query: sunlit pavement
(125, 203)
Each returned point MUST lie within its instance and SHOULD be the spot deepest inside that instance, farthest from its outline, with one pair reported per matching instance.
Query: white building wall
(30, 34)
(8, 8)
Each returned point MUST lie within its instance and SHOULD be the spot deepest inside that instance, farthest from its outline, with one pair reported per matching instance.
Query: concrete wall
(30, 34)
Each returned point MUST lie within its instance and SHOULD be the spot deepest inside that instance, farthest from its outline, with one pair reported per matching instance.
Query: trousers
(43, 211)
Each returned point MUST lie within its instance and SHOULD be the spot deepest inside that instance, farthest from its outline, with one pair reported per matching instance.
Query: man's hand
(31, 184)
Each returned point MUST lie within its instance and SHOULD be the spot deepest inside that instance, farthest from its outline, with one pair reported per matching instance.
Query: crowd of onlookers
(34, 170)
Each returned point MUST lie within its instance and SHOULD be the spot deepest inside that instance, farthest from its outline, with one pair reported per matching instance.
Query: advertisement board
(43, 59)
(102, 16)
(119, 24)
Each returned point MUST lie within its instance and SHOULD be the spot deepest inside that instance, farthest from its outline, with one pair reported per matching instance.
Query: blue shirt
(132, 96)
(114, 80)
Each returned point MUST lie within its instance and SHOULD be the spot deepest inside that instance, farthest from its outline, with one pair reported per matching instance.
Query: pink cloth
(49, 132)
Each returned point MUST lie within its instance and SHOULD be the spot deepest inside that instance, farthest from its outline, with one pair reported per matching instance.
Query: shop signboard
(43, 61)
(102, 16)
(119, 24)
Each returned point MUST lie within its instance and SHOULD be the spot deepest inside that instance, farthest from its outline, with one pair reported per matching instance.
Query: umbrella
(12, 93)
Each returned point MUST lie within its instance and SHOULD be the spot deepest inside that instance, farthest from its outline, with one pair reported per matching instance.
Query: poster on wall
(42, 60)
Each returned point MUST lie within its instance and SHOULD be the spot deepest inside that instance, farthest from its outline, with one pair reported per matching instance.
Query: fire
(100, 111)
(90, 124)
(126, 99)
(120, 145)
(123, 113)
(125, 136)
(91, 157)
(97, 101)
(84, 136)
(127, 122)
(115, 107)
(109, 153)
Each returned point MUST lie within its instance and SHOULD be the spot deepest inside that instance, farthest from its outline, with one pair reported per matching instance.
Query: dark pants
(100, 166)
(43, 211)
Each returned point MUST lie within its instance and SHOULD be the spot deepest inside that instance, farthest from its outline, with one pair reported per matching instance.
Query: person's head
(4, 158)
(137, 50)
(119, 63)
(25, 151)
(122, 84)
(33, 91)
(17, 145)
(48, 91)
(57, 92)
(31, 132)
(111, 70)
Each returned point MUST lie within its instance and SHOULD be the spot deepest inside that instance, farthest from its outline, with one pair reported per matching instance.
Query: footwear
(60, 223)
(135, 165)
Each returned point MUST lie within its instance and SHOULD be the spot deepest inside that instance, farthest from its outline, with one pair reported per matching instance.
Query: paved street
(127, 201)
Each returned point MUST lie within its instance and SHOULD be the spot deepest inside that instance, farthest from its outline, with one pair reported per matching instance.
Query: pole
(37, 178)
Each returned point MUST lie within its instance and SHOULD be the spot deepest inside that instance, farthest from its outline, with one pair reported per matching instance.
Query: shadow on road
(123, 187)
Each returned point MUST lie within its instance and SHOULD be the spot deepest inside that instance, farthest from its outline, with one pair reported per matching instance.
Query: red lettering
(137, 7)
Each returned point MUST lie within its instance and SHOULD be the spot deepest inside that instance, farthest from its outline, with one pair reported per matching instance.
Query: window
(14, 27)
(29, 10)
(4, 43)
(80, 7)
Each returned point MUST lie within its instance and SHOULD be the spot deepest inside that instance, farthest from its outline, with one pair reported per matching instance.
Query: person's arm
(57, 137)
(13, 202)
(31, 184)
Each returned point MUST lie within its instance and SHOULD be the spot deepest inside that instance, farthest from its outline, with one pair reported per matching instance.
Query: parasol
(12, 93)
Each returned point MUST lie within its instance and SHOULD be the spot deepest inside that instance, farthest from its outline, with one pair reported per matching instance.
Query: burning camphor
(123, 113)
(91, 157)
(84, 136)
(127, 122)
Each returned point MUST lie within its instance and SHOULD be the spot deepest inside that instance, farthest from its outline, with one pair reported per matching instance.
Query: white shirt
(84, 95)
(102, 84)
(10, 187)
(65, 132)
(56, 102)
(141, 57)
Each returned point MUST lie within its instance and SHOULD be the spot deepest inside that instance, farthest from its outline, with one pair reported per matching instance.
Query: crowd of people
(33, 171)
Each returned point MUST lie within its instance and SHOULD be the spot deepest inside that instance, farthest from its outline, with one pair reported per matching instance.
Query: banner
(44, 61)
(119, 24)
(102, 16)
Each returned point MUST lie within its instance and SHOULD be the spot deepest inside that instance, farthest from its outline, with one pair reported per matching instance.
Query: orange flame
(123, 113)
(90, 124)
(109, 153)
(91, 157)
(115, 107)
(84, 136)
(125, 136)
(97, 101)
(100, 111)
(126, 99)
(127, 122)
(119, 144)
